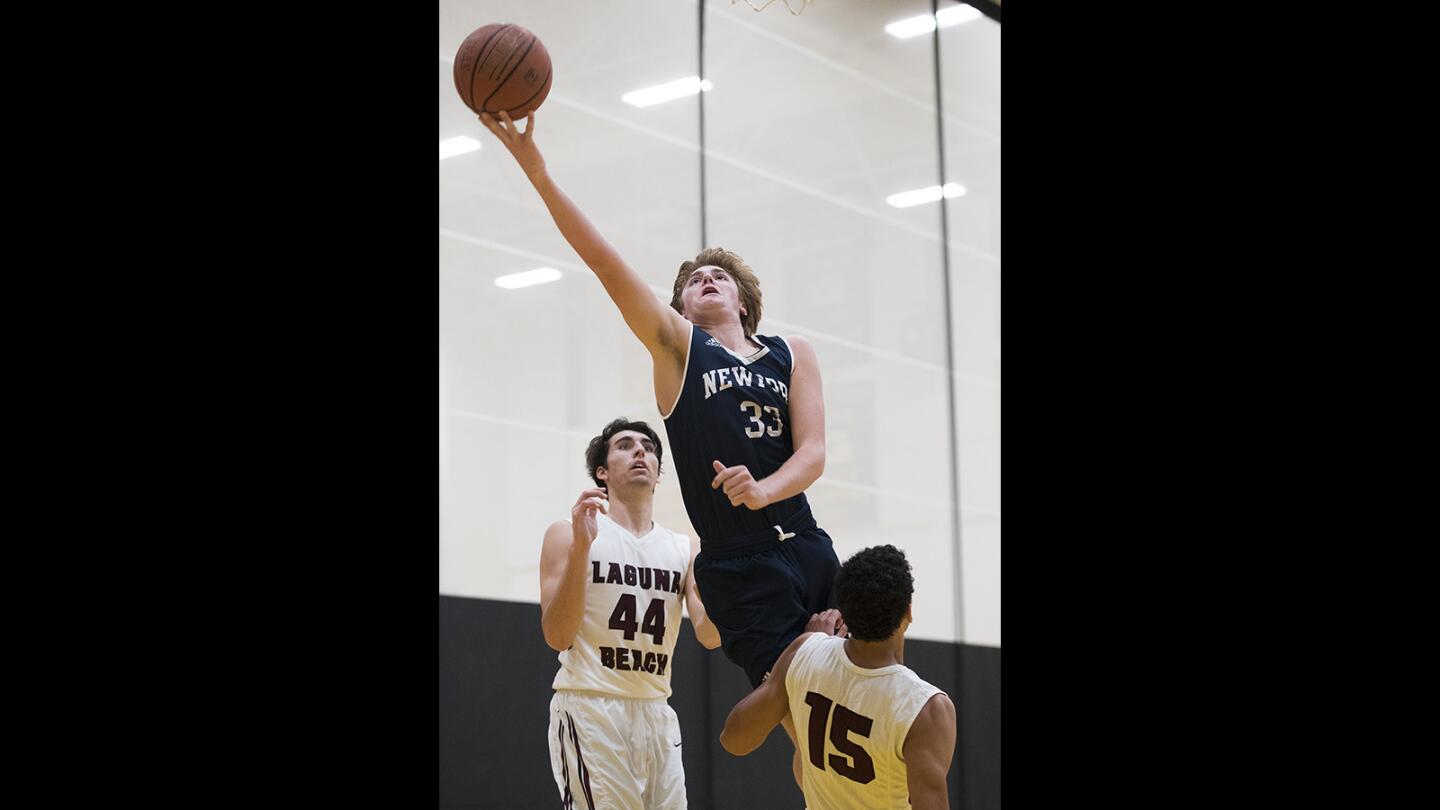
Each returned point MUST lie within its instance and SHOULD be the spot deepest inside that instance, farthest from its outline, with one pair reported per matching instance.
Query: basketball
(502, 67)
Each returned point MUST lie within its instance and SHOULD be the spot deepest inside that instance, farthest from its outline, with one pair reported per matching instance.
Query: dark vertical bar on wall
(710, 737)
(955, 532)
(949, 338)
(701, 96)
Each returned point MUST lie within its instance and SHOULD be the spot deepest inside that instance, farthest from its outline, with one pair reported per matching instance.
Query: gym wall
(812, 121)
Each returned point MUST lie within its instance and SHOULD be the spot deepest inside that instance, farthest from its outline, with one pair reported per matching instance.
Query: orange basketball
(502, 67)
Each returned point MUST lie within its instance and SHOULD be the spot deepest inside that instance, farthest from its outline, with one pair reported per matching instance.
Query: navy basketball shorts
(761, 601)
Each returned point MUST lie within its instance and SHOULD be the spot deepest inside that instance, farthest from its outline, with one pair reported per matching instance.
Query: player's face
(710, 289)
(632, 459)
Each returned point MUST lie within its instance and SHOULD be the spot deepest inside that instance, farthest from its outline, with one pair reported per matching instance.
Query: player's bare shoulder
(560, 533)
(802, 353)
(934, 725)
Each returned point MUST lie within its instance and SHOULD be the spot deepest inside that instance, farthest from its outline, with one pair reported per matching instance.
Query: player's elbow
(815, 452)
(729, 745)
(929, 795)
(731, 742)
(556, 639)
(732, 737)
(708, 637)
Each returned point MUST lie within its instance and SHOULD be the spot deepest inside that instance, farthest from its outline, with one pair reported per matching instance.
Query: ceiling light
(919, 196)
(450, 147)
(669, 91)
(925, 23)
(539, 275)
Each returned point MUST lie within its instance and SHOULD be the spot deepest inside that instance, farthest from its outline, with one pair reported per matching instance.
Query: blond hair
(737, 268)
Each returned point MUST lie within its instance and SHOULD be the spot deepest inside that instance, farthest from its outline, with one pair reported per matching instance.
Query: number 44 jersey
(852, 723)
(632, 613)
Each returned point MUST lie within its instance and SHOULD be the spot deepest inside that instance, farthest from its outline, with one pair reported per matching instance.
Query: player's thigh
(596, 751)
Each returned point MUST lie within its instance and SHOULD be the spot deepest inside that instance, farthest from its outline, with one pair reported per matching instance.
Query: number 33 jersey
(735, 410)
(633, 589)
(851, 723)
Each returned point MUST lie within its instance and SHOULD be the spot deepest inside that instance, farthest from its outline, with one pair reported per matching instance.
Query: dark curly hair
(599, 448)
(873, 591)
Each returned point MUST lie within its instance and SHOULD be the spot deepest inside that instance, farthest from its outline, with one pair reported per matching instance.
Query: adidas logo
(714, 342)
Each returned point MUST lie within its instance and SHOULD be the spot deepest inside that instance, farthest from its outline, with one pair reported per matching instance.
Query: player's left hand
(831, 623)
(740, 486)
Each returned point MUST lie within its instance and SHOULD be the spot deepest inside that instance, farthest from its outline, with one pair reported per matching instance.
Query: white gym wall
(812, 121)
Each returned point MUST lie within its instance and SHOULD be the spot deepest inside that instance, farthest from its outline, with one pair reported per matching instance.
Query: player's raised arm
(564, 560)
(659, 327)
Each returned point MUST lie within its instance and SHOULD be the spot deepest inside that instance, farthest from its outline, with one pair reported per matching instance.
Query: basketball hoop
(790, 8)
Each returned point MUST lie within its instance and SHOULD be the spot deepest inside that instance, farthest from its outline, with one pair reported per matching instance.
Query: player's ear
(602, 474)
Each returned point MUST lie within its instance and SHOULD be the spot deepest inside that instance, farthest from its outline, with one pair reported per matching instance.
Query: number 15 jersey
(626, 642)
(852, 723)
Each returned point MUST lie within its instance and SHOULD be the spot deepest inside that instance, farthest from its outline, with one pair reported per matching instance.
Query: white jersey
(851, 723)
(632, 614)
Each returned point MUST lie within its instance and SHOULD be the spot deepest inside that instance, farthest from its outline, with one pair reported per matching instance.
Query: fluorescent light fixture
(925, 23)
(919, 196)
(450, 147)
(911, 26)
(539, 275)
(669, 91)
(954, 15)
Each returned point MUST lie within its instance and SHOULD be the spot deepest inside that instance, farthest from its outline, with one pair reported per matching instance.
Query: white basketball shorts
(615, 753)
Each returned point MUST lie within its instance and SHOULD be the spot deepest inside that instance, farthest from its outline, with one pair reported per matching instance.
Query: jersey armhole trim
(790, 350)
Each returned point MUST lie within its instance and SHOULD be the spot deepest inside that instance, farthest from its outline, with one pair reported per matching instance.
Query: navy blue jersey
(735, 410)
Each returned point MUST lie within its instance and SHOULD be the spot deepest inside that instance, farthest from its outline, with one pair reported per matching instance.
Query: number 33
(761, 428)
